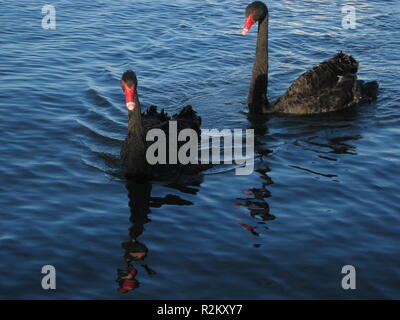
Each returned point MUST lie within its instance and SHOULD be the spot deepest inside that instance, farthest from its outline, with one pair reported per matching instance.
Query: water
(324, 193)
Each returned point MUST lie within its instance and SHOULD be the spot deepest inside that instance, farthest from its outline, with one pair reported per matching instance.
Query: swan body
(330, 86)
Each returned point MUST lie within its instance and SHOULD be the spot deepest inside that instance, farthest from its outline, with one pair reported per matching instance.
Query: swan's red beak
(130, 94)
(248, 24)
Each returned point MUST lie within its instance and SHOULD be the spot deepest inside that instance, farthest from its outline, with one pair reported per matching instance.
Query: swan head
(129, 85)
(255, 11)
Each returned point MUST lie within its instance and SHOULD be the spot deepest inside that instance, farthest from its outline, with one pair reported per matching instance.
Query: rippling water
(324, 194)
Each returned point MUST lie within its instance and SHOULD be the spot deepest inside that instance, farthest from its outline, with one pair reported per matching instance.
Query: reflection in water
(321, 134)
(314, 172)
(256, 199)
(140, 202)
(256, 202)
(324, 133)
(328, 143)
(326, 140)
(333, 145)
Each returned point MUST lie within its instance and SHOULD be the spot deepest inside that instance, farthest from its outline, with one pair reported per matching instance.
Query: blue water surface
(324, 193)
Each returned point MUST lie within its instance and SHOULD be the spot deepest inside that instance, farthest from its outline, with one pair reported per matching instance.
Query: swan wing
(326, 87)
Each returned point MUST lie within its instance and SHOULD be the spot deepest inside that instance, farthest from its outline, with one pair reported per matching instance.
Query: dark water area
(324, 192)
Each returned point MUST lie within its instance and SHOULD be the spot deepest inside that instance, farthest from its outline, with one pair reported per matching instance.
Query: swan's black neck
(257, 98)
(135, 159)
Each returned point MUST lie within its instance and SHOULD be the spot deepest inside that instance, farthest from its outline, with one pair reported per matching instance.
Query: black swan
(133, 153)
(332, 85)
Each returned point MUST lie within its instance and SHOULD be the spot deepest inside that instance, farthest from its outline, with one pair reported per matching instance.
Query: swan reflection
(140, 204)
